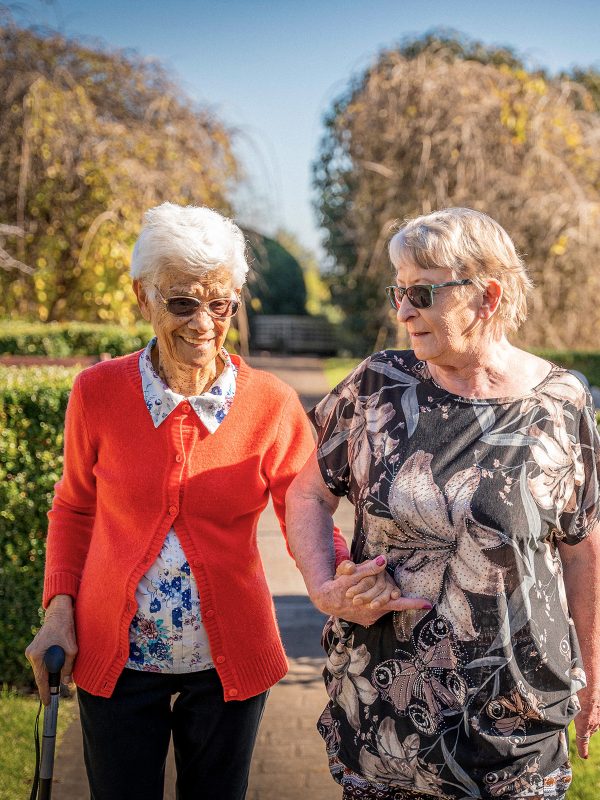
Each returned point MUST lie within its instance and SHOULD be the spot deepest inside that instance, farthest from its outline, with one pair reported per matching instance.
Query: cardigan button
(172, 511)
(232, 692)
(220, 659)
(210, 613)
(179, 458)
(186, 408)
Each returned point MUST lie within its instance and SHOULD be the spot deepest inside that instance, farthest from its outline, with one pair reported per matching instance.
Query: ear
(491, 299)
(142, 299)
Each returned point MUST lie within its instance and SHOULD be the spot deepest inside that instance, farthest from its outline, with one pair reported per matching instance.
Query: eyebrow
(176, 292)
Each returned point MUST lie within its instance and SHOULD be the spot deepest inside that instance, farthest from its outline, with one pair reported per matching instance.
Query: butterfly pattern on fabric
(510, 714)
(426, 686)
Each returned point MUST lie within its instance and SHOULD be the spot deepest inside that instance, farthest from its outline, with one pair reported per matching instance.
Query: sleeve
(582, 514)
(71, 518)
(333, 419)
(293, 445)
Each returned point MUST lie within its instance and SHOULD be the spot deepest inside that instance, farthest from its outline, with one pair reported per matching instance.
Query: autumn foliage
(442, 122)
(89, 139)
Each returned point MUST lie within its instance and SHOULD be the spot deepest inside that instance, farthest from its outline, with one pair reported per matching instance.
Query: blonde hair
(471, 245)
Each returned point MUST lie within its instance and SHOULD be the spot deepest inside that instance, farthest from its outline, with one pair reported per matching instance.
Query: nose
(405, 311)
(201, 320)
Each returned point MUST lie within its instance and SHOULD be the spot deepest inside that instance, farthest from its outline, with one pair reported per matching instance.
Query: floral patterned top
(167, 633)
(467, 498)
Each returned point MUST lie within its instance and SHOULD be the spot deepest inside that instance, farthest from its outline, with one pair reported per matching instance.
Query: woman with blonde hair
(474, 470)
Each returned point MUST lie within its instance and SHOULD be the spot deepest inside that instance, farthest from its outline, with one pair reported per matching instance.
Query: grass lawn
(17, 751)
(586, 774)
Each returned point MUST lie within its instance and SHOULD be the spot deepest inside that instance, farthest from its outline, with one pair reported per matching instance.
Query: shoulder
(385, 366)
(104, 375)
(271, 392)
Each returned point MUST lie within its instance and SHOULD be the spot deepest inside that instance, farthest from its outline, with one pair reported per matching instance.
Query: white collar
(211, 406)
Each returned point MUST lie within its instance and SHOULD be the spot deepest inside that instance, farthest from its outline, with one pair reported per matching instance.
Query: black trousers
(126, 737)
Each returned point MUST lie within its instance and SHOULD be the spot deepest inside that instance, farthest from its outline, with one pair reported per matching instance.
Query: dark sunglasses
(186, 306)
(420, 296)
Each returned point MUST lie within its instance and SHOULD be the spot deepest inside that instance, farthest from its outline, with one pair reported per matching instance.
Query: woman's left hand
(587, 722)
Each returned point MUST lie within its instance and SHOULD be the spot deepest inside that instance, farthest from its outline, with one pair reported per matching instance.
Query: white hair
(195, 239)
(471, 245)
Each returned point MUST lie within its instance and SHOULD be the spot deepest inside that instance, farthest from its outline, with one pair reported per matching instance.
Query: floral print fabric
(167, 633)
(553, 787)
(467, 499)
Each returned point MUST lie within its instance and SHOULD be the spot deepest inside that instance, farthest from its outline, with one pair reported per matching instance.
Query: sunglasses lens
(419, 296)
(223, 308)
(182, 306)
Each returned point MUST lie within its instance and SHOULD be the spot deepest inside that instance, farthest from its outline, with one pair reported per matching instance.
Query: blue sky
(272, 69)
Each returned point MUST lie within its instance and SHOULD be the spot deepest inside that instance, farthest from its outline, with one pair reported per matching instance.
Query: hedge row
(63, 339)
(587, 363)
(32, 410)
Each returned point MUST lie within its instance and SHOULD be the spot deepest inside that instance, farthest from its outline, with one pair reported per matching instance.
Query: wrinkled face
(448, 329)
(189, 342)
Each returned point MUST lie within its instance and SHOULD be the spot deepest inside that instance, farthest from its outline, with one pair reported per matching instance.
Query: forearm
(582, 583)
(309, 523)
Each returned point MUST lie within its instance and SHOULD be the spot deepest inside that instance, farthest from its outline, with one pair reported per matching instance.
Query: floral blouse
(167, 633)
(467, 499)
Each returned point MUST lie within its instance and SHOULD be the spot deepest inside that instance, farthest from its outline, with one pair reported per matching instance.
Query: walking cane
(54, 660)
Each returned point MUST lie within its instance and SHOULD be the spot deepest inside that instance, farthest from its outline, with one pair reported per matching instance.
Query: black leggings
(126, 737)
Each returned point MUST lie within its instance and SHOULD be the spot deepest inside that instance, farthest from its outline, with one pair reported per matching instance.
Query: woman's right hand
(58, 628)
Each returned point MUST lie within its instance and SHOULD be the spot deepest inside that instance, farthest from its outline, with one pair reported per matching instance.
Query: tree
(276, 279)
(89, 139)
(444, 122)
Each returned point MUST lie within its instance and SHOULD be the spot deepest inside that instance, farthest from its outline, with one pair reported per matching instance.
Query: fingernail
(427, 606)
(380, 560)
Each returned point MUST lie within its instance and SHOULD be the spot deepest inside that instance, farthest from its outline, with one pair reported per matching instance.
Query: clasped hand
(364, 592)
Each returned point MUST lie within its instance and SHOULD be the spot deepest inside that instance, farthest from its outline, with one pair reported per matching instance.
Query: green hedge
(587, 363)
(32, 409)
(62, 339)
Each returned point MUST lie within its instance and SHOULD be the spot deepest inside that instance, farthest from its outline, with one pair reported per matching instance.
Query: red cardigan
(125, 483)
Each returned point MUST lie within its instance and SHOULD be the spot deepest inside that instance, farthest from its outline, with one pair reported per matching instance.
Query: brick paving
(289, 761)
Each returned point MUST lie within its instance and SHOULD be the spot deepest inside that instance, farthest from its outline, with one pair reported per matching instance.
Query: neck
(187, 381)
(485, 372)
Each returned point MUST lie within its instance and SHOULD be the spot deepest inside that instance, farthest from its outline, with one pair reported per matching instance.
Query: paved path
(289, 761)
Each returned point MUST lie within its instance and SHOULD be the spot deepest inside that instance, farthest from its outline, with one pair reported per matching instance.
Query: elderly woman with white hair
(154, 584)
(474, 470)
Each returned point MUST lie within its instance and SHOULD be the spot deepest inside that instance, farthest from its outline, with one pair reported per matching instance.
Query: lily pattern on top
(467, 499)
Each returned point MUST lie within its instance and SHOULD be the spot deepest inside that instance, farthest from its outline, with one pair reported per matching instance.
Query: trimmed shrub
(587, 363)
(32, 409)
(64, 339)
(61, 339)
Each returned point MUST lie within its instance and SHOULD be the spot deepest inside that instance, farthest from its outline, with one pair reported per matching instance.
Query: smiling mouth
(196, 342)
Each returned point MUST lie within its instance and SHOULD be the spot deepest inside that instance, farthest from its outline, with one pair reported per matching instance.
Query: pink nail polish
(380, 560)
(427, 606)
